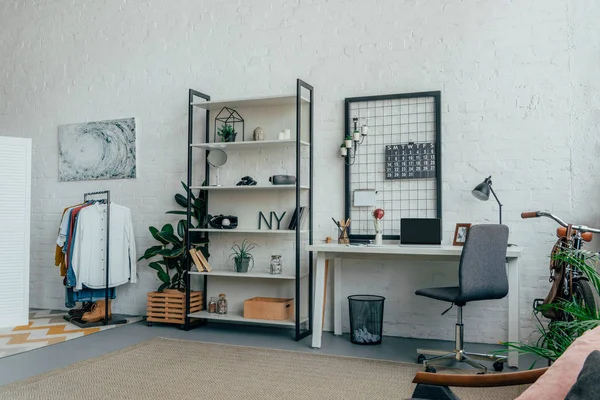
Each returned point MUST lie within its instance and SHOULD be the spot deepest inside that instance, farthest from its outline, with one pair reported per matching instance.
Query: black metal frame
(299, 86)
(115, 320)
(437, 95)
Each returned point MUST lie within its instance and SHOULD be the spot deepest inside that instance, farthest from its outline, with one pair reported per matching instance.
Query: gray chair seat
(449, 294)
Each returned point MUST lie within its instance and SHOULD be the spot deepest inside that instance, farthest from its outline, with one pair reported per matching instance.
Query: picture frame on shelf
(460, 234)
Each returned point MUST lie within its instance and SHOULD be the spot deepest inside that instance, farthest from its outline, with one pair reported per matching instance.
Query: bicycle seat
(562, 232)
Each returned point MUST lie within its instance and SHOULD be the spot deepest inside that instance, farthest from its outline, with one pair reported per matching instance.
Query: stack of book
(200, 261)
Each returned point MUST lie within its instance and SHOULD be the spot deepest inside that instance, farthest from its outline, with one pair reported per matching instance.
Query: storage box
(269, 308)
(169, 306)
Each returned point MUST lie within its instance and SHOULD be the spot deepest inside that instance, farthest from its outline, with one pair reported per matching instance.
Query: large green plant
(170, 268)
(556, 336)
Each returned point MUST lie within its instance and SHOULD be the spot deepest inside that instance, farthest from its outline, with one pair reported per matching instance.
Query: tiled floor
(46, 327)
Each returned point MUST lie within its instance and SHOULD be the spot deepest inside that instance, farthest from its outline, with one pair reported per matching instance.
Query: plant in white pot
(343, 150)
(241, 255)
(348, 142)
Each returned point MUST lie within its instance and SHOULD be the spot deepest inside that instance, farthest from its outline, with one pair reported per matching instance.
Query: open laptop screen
(420, 231)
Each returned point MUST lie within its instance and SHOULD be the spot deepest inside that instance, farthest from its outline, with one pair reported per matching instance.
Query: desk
(336, 252)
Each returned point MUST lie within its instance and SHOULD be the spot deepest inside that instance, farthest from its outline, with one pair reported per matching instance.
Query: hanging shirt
(89, 251)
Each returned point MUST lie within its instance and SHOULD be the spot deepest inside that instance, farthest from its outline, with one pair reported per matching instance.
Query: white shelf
(255, 145)
(251, 102)
(257, 187)
(237, 316)
(236, 230)
(258, 275)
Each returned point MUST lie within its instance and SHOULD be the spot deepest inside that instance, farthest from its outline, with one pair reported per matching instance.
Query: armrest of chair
(488, 380)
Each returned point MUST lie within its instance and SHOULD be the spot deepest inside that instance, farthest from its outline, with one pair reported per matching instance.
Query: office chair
(481, 276)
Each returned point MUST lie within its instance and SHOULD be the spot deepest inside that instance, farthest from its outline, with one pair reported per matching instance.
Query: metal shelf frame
(300, 100)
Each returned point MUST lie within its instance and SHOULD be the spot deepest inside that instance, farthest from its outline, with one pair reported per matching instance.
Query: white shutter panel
(15, 209)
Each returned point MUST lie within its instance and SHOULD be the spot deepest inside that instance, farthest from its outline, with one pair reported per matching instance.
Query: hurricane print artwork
(97, 150)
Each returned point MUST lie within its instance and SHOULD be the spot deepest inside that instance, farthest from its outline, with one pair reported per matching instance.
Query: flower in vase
(377, 216)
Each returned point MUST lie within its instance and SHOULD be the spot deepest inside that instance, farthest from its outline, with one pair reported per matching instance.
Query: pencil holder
(343, 237)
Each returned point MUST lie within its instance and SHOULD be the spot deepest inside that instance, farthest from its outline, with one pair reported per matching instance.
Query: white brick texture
(519, 81)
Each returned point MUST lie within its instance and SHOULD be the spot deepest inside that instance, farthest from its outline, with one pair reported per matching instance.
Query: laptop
(420, 231)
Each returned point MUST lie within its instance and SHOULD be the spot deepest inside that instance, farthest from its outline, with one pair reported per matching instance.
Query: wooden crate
(270, 308)
(169, 306)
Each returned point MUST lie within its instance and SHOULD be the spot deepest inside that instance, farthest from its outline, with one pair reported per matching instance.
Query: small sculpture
(259, 134)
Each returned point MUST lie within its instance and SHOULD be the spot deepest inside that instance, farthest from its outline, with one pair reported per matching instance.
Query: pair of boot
(78, 312)
(97, 312)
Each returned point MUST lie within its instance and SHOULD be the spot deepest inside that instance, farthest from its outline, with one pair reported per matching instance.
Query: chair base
(460, 356)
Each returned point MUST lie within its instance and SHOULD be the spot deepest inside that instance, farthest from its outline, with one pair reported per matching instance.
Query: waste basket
(366, 318)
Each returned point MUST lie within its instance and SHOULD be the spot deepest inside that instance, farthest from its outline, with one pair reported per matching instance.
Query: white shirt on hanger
(89, 251)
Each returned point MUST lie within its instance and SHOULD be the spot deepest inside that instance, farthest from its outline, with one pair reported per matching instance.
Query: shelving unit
(301, 105)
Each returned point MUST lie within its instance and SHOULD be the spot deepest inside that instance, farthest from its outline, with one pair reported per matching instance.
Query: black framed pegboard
(399, 159)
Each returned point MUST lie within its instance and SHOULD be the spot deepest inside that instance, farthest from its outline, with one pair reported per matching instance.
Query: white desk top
(390, 249)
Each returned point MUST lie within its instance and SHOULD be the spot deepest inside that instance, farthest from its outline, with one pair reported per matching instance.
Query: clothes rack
(116, 319)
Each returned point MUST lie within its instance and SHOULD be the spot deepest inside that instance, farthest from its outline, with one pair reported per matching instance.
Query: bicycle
(568, 282)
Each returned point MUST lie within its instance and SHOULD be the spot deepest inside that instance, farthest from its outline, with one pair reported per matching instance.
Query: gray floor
(34, 362)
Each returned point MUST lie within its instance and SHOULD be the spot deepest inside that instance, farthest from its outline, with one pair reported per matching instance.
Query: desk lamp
(482, 192)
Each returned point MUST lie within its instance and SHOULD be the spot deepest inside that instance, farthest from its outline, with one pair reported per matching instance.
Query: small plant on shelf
(241, 255)
(227, 133)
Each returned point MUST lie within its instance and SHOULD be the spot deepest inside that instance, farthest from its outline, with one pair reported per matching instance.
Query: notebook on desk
(420, 232)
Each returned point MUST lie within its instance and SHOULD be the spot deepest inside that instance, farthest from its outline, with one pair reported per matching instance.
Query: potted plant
(556, 336)
(241, 255)
(227, 133)
(343, 150)
(348, 142)
(169, 258)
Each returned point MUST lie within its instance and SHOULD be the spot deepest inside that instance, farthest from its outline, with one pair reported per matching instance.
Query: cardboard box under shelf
(270, 308)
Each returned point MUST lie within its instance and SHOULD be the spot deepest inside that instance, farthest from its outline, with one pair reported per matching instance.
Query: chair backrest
(482, 270)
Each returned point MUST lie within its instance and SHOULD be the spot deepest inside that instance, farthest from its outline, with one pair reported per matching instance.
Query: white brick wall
(520, 102)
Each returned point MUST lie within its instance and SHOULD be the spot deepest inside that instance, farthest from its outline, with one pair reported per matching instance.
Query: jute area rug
(178, 369)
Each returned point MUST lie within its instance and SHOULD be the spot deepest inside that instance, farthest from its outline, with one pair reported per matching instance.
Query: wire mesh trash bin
(366, 318)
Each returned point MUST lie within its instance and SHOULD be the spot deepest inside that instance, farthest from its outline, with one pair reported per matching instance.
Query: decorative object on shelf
(171, 248)
(269, 223)
(276, 265)
(212, 306)
(482, 192)
(246, 181)
(222, 304)
(229, 119)
(282, 179)
(224, 221)
(377, 216)
(217, 158)
(460, 234)
(97, 150)
(168, 306)
(342, 230)
(286, 134)
(352, 141)
(241, 255)
(258, 134)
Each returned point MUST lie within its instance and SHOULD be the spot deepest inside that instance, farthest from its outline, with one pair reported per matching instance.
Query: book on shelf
(196, 260)
(295, 218)
(204, 261)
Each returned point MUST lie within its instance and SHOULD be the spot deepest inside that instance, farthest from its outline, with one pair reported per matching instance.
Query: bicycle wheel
(583, 294)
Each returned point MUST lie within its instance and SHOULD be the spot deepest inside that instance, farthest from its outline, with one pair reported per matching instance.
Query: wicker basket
(169, 306)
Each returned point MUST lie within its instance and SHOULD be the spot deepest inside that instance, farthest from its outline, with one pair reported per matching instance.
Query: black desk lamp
(482, 192)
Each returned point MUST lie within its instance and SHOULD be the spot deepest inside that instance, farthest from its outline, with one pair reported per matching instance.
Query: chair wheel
(430, 369)
(498, 366)
(420, 359)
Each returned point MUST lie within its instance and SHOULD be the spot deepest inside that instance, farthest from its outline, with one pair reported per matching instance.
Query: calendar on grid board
(410, 161)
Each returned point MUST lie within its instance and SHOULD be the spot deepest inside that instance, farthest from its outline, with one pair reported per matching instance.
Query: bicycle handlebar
(537, 214)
